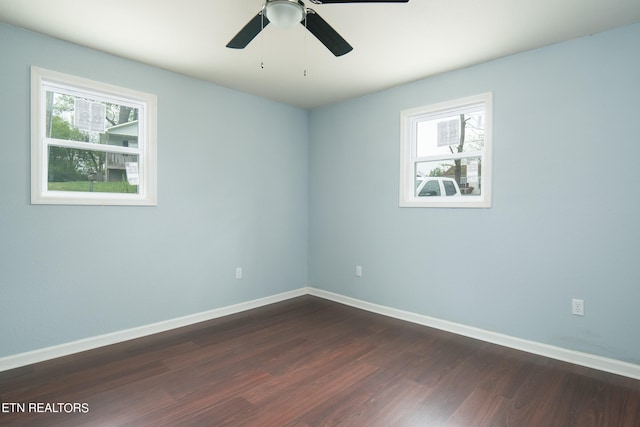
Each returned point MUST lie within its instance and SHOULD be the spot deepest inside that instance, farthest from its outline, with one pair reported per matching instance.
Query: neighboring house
(122, 135)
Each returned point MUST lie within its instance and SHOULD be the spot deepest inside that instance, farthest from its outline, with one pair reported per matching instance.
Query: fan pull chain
(262, 40)
(305, 46)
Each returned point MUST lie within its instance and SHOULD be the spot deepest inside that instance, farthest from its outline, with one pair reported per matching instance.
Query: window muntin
(448, 140)
(92, 143)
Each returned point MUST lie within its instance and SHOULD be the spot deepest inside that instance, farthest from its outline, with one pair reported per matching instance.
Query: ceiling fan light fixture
(284, 13)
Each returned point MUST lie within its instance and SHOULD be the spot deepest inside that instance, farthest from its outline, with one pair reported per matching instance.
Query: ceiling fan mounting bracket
(284, 13)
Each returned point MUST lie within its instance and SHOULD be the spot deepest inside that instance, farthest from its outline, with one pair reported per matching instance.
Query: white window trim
(408, 159)
(147, 103)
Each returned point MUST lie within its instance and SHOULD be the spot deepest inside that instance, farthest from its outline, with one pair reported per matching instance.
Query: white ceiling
(393, 43)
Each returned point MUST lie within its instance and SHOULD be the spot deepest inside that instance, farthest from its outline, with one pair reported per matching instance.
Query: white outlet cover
(577, 307)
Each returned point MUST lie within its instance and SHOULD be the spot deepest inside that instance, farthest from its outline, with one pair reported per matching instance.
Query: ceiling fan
(287, 13)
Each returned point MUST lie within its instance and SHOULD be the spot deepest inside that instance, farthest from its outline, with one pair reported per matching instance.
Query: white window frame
(409, 120)
(43, 80)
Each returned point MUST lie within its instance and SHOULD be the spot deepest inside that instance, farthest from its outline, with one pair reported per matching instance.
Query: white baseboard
(40, 355)
(584, 359)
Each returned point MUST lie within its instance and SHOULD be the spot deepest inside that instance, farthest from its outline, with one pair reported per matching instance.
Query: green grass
(98, 187)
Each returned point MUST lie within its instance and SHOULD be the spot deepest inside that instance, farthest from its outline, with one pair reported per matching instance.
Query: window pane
(466, 172)
(71, 169)
(452, 134)
(76, 118)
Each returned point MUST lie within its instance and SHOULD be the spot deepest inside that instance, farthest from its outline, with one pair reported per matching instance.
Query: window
(91, 143)
(445, 154)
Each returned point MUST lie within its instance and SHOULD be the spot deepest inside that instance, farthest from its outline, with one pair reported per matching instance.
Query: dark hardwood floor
(312, 362)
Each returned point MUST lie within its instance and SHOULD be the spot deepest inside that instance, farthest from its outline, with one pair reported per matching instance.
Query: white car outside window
(437, 187)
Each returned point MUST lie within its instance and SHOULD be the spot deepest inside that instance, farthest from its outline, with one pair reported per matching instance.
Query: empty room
(319, 213)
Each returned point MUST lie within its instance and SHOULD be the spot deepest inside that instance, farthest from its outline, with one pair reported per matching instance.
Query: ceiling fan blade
(248, 32)
(357, 1)
(326, 34)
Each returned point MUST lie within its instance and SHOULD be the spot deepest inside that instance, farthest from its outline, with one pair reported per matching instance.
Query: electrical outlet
(577, 307)
(239, 273)
(358, 271)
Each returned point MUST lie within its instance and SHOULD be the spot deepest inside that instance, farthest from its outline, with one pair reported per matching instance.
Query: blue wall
(565, 221)
(232, 179)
